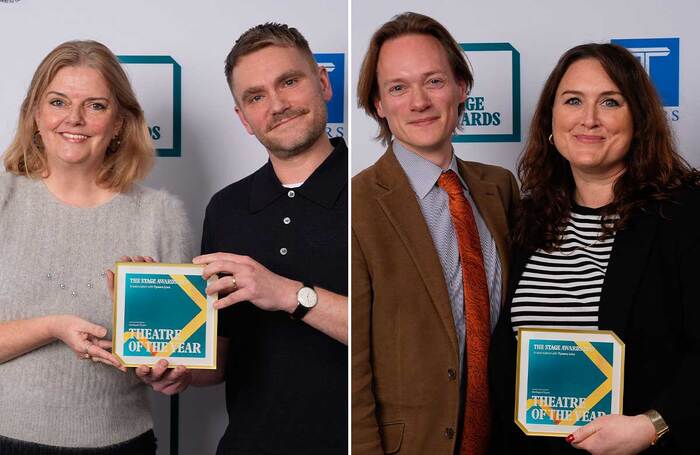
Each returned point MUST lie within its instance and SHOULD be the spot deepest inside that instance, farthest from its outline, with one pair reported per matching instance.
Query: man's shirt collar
(422, 174)
(323, 186)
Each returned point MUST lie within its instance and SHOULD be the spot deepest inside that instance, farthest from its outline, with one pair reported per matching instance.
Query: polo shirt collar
(323, 186)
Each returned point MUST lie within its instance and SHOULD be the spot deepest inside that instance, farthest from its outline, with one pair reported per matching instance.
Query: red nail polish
(570, 438)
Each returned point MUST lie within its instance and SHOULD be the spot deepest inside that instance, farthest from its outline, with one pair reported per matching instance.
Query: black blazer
(651, 300)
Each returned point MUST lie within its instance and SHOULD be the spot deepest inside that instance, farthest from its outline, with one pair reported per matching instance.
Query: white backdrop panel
(540, 30)
(216, 150)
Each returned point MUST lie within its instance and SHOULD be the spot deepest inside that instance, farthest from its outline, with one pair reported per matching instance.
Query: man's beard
(283, 149)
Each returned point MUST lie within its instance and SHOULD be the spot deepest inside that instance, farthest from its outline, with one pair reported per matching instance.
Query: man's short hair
(261, 36)
(406, 24)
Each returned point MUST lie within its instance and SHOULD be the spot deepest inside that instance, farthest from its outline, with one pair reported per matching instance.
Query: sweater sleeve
(7, 182)
(174, 242)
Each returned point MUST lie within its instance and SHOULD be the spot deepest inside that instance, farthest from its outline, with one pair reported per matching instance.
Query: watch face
(307, 297)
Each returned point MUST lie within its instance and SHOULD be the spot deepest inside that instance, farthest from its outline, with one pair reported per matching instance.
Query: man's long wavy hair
(654, 170)
(408, 23)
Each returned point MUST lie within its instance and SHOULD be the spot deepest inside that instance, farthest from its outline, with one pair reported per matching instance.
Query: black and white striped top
(561, 289)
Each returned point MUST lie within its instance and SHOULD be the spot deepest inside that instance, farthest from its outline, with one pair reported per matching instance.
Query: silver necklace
(61, 283)
(586, 246)
(580, 248)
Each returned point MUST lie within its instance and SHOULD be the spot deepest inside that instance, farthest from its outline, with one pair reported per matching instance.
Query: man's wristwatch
(306, 299)
(660, 425)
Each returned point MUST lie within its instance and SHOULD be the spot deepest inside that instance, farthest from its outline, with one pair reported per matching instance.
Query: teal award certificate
(161, 311)
(566, 378)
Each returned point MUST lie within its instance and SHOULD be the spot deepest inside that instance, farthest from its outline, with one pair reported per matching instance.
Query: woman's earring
(36, 140)
(551, 139)
(114, 144)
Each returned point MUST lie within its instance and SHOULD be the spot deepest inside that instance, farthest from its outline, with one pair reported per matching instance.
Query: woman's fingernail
(570, 438)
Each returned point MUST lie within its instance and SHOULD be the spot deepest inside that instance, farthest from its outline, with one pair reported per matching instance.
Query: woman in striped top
(561, 288)
(608, 237)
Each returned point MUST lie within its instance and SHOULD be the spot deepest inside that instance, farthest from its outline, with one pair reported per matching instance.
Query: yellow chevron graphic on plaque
(194, 324)
(601, 391)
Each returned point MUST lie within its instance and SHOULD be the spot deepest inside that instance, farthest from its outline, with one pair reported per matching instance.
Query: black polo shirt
(286, 382)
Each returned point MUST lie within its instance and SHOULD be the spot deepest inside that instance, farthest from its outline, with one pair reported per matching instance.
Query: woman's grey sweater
(52, 259)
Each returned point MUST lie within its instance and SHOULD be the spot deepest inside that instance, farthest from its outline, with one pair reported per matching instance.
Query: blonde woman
(69, 206)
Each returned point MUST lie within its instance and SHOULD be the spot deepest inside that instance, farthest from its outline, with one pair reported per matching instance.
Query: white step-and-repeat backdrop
(513, 45)
(174, 51)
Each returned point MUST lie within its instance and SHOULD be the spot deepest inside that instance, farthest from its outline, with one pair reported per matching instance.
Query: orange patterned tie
(477, 413)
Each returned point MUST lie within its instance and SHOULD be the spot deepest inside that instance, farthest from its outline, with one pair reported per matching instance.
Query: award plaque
(161, 311)
(566, 378)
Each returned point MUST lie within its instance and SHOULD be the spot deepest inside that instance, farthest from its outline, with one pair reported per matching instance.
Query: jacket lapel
(401, 207)
(629, 255)
(486, 198)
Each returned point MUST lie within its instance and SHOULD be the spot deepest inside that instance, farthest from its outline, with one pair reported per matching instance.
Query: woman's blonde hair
(124, 163)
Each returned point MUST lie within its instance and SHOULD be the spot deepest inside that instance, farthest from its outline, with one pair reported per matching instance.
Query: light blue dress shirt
(434, 203)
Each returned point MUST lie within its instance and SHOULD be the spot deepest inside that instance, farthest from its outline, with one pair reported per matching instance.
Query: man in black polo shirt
(278, 241)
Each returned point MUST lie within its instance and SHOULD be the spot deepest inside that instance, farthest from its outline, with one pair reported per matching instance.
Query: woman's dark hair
(653, 168)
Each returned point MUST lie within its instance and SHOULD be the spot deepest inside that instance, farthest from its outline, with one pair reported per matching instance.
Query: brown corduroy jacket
(405, 372)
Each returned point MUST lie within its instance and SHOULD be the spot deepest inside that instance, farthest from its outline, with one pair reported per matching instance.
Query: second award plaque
(567, 378)
(161, 311)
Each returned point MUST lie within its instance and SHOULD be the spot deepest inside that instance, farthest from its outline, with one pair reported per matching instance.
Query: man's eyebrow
(254, 90)
(423, 75)
(291, 74)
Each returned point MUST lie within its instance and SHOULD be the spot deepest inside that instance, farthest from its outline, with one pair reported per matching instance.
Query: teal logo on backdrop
(335, 67)
(660, 58)
(157, 81)
(492, 109)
